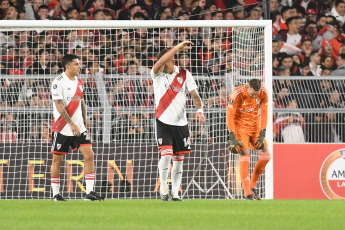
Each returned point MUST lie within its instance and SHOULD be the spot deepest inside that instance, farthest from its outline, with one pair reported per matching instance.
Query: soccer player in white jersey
(69, 129)
(171, 84)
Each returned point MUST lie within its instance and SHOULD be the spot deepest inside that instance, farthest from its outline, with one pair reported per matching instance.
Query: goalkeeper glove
(260, 142)
(234, 144)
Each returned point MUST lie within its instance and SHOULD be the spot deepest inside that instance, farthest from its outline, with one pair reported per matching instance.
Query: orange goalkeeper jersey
(243, 111)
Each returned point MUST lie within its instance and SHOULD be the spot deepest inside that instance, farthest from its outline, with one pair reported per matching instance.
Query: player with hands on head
(246, 118)
(69, 126)
(171, 84)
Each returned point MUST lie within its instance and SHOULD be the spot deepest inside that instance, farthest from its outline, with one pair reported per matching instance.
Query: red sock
(244, 174)
(259, 168)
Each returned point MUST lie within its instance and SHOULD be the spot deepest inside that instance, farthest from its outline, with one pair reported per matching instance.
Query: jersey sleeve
(264, 107)
(56, 91)
(153, 76)
(234, 102)
(190, 83)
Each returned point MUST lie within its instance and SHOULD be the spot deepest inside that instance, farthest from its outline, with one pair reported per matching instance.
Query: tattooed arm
(198, 104)
(66, 117)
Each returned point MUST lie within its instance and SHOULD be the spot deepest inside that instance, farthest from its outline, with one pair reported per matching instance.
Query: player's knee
(89, 156)
(57, 160)
(265, 157)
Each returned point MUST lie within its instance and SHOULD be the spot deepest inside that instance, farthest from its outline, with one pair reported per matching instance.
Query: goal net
(116, 59)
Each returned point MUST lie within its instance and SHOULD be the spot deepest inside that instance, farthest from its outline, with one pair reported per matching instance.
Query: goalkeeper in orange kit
(247, 128)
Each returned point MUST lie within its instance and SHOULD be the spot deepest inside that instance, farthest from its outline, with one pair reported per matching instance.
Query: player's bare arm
(66, 117)
(83, 111)
(158, 67)
(198, 105)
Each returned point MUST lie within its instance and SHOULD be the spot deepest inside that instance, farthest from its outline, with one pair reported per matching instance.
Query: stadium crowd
(307, 41)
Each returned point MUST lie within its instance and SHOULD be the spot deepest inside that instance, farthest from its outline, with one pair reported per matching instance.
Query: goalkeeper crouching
(171, 84)
(248, 129)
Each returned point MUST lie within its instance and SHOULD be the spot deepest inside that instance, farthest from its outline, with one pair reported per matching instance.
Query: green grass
(155, 214)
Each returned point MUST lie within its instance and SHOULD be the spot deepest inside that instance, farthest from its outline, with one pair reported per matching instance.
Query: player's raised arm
(168, 56)
(198, 105)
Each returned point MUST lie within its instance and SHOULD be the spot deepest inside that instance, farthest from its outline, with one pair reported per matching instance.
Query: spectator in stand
(100, 5)
(217, 15)
(254, 15)
(321, 22)
(43, 12)
(4, 5)
(325, 72)
(340, 71)
(338, 11)
(98, 15)
(280, 23)
(85, 15)
(334, 28)
(41, 65)
(183, 15)
(314, 64)
(289, 126)
(11, 13)
(238, 12)
(287, 61)
(305, 69)
(291, 35)
(326, 63)
(312, 35)
(72, 14)
(310, 15)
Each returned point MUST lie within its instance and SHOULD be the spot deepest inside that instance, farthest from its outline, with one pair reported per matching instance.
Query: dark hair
(43, 7)
(96, 12)
(214, 13)
(289, 20)
(161, 54)
(87, 12)
(305, 40)
(338, 2)
(284, 9)
(255, 84)
(140, 15)
(67, 59)
(342, 56)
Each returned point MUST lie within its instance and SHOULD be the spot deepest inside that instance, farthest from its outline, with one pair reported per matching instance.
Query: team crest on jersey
(54, 86)
(58, 146)
(179, 80)
(231, 101)
(257, 101)
(160, 141)
(81, 88)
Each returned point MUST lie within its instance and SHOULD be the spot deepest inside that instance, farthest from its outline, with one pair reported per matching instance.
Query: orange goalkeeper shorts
(248, 137)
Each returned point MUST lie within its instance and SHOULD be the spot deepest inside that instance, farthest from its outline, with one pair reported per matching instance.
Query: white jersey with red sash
(170, 95)
(71, 93)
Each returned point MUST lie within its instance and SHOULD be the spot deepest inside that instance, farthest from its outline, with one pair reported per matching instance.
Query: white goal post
(126, 162)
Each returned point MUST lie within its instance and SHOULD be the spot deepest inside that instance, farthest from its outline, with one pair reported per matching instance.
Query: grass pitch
(156, 214)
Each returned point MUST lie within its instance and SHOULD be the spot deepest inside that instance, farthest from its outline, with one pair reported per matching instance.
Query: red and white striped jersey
(71, 93)
(170, 95)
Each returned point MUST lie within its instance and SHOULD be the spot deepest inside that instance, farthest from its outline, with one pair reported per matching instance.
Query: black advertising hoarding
(121, 172)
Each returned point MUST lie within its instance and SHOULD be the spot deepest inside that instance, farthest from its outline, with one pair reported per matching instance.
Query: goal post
(116, 58)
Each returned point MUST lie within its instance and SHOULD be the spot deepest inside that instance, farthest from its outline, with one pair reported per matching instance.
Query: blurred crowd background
(308, 41)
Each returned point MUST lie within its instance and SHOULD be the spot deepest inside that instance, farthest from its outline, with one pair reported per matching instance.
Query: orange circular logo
(332, 175)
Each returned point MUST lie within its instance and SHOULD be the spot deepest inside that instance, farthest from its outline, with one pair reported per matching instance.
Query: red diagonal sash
(171, 93)
(70, 109)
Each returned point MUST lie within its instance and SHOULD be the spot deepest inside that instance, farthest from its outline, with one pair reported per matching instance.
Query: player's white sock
(176, 174)
(90, 181)
(55, 184)
(163, 165)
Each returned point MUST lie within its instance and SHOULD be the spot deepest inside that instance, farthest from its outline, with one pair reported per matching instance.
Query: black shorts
(61, 143)
(175, 136)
